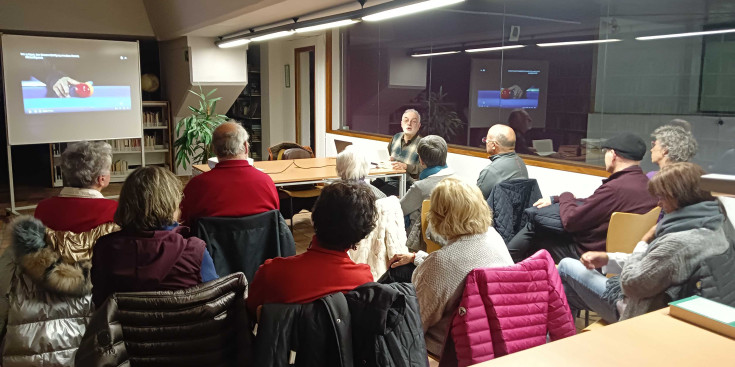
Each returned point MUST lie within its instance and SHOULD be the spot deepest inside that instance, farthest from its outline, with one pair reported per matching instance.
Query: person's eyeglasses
(485, 141)
(411, 122)
(653, 144)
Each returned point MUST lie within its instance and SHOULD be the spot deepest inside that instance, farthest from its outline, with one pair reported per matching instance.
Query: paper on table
(711, 309)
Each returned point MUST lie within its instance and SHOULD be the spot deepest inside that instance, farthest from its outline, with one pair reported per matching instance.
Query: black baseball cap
(627, 145)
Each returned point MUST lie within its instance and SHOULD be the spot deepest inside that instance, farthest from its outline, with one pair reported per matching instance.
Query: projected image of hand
(63, 85)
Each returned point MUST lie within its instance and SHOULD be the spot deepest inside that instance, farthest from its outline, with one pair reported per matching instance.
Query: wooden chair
(623, 233)
(626, 229)
(285, 151)
(431, 246)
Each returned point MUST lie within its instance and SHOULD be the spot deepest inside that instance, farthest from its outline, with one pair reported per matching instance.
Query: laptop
(341, 145)
(544, 147)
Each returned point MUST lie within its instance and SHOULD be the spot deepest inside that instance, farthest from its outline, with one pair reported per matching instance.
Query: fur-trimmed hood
(58, 261)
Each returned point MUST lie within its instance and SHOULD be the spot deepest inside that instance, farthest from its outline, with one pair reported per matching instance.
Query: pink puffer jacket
(505, 310)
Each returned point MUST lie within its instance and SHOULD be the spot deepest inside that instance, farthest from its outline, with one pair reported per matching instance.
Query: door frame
(297, 91)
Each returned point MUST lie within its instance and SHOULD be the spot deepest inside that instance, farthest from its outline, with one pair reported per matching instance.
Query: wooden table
(310, 170)
(653, 339)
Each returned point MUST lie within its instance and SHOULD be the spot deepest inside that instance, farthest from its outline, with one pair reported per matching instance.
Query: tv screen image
(498, 87)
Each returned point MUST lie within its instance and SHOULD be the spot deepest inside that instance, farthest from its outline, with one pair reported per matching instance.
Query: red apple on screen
(506, 93)
(84, 90)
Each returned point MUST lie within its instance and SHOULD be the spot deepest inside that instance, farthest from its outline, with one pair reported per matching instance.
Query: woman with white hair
(352, 165)
(672, 143)
(85, 167)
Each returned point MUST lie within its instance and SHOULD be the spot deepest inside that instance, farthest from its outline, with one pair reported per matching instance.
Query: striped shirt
(406, 153)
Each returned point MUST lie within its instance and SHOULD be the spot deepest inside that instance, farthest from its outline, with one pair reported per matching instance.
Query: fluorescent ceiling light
(234, 43)
(494, 48)
(409, 9)
(435, 54)
(271, 36)
(687, 34)
(339, 23)
(572, 43)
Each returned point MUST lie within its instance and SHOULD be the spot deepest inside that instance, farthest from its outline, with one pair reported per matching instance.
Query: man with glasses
(403, 150)
(505, 164)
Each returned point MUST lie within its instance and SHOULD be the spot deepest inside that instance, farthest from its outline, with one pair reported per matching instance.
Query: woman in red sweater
(85, 167)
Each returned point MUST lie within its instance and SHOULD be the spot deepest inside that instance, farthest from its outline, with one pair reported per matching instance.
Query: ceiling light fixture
(687, 34)
(271, 36)
(574, 43)
(409, 9)
(339, 23)
(435, 54)
(233, 43)
(487, 49)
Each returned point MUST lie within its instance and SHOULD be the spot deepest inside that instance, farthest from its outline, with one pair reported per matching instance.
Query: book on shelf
(705, 313)
(124, 145)
(119, 168)
(152, 119)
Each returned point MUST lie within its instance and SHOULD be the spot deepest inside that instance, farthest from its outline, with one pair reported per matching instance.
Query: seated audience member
(520, 121)
(352, 165)
(505, 164)
(149, 253)
(343, 215)
(45, 293)
(460, 214)
(691, 231)
(233, 188)
(433, 155)
(585, 221)
(85, 167)
(671, 144)
(403, 150)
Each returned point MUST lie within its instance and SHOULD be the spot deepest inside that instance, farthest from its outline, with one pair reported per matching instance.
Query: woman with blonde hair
(460, 214)
(149, 253)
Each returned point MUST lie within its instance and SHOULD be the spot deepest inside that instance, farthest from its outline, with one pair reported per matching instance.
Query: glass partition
(580, 71)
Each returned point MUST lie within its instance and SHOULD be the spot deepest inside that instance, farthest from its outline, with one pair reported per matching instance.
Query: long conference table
(310, 170)
(653, 339)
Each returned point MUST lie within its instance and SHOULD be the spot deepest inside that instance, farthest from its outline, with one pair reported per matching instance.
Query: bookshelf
(128, 154)
(246, 108)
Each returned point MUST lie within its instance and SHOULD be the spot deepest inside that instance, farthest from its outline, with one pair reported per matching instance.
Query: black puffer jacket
(373, 325)
(206, 325)
(508, 200)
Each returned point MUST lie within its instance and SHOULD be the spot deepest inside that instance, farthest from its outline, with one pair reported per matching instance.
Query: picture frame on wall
(287, 71)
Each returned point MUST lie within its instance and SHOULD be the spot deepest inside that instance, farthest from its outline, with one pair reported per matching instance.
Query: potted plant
(195, 131)
(440, 119)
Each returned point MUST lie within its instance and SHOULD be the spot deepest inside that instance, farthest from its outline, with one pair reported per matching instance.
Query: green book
(705, 313)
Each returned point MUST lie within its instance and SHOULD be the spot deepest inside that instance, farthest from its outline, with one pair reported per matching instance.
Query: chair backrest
(280, 150)
(206, 325)
(431, 246)
(243, 244)
(508, 200)
(626, 229)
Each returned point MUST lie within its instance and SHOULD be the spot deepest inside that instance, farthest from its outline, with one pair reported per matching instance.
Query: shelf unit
(126, 153)
(247, 106)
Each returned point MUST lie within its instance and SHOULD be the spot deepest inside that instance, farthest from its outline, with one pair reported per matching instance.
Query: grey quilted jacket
(45, 293)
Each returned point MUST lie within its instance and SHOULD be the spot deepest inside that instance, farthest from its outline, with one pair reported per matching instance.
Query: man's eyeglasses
(485, 141)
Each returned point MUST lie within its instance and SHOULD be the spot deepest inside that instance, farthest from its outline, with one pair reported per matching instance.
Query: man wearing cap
(585, 221)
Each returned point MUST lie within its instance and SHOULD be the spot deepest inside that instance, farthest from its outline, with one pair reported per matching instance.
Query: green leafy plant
(194, 145)
(440, 119)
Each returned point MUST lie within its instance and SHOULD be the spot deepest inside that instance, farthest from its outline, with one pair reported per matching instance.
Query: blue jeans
(584, 289)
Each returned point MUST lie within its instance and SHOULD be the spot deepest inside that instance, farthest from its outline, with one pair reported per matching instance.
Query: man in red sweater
(80, 206)
(585, 221)
(343, 215)
(233, 188)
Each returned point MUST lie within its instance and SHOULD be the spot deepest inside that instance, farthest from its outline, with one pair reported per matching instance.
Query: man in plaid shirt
(403, 152)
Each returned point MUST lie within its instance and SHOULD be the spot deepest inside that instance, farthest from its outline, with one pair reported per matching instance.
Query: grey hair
(418, 115)
(432, 150)
(83, 162)
(352, 164)
(679, 143)
(231, 143)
